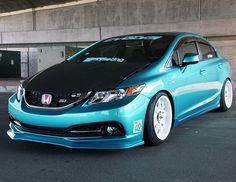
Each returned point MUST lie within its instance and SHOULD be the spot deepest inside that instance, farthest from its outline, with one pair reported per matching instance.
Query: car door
(212, 67)
(189, 83)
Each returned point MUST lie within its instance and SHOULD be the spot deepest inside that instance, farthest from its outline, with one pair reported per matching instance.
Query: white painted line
(73, 3)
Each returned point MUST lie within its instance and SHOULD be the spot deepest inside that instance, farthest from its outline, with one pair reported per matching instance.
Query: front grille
(33, 98)
(83, 130)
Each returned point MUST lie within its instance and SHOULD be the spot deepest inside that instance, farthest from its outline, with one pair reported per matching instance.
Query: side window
(207, 51)
(188, 47)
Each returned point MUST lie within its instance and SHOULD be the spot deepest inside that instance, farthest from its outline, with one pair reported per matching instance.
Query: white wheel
(159, 119)
(162, 117)
(228, 94)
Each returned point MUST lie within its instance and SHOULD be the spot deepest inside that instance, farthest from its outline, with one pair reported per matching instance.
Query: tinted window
(126, 49)
(187, 48)
(207, 51)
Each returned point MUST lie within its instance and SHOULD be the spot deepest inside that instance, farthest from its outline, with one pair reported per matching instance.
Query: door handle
(202, 72)
(220, 65)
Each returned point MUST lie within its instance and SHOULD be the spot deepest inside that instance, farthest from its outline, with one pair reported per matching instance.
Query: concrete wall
(90, 22)
(101, 19)
(16, 23)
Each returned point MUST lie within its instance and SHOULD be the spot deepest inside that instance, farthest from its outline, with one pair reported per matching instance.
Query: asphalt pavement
(203, 149)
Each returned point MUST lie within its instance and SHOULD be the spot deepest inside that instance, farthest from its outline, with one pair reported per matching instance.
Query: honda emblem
(46, 99)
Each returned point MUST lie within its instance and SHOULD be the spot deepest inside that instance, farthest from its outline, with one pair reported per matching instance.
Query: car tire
(226, 96)
(158, 120)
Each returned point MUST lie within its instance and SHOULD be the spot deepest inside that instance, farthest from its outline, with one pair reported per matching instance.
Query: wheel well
(228, 79)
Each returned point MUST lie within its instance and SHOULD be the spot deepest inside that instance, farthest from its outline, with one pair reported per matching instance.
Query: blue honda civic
(122, 92)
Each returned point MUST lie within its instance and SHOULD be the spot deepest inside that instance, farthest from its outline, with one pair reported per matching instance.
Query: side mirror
(190, 58)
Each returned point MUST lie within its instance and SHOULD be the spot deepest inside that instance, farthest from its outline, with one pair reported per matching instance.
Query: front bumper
(77, 142)
(126, 112)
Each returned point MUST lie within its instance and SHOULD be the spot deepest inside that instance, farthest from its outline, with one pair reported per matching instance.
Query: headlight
(20, 92)
(113, 95)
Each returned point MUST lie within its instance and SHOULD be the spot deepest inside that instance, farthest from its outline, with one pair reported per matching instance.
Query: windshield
(129, 49)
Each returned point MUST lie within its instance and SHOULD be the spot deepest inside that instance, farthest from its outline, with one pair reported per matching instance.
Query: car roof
(171, 34)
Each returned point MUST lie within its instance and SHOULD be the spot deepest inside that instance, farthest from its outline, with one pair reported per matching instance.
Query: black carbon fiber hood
(81, 77)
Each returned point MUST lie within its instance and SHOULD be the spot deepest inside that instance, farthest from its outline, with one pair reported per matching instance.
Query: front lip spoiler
(124, 142)
(57, 108)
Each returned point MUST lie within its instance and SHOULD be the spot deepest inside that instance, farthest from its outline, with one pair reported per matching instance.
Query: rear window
(126, 50)
(207, 51)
